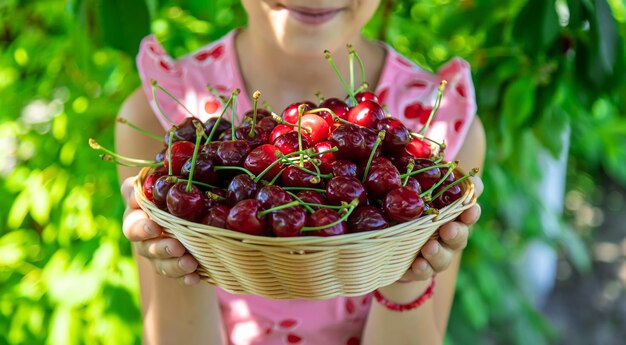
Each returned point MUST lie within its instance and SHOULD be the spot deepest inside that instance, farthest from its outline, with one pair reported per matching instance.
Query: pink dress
(409, 93)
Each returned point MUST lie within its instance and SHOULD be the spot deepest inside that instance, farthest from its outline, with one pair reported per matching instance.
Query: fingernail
(434, 248)
(168, 250)
(453, 233)
(421, 265)
(150, 230)
(186, 264)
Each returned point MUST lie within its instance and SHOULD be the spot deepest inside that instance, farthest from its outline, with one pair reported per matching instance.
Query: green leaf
(537, 26)
(474, 307)
(518, 102)
(553, 130)
(19, 210)
(124, 23)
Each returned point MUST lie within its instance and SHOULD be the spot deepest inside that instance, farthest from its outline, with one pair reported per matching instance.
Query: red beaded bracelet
(409, 306)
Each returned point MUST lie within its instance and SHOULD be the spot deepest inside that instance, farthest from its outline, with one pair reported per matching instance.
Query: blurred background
(545, 265)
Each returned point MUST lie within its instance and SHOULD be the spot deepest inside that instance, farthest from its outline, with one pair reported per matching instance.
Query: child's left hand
(436, 255)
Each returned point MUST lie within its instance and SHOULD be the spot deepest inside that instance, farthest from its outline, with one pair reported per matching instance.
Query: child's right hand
(167, 255)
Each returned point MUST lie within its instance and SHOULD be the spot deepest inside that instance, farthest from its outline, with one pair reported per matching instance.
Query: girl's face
(308, 27)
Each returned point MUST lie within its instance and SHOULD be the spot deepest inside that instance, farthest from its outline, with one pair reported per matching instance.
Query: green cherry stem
(379, 139)
(332, 113)
(233, 107)
(442, 146)
(451, 168)
(409, 168)
(300, 112)
(227, 167)
(277, 176)
(199, 132)
(361, 65)
(214, 196)
(108, 158)
(351, 64)
(219, 118)
(169, 94)
(324, 176)
(267, 107)
(304, 204)
(327, 206)
(255, 96)
(442, 87)
(94, 145)
(351, 206)
(472, 172)
(305, 188)
(153, 86)
(343, 82)
(170, 141)
(425, 169)
(364, 86)
(196, 183)
(138, 129)
(280, 207)
(217, 95)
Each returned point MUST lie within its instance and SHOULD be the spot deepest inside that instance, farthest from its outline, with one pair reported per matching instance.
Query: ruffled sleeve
(409, 93)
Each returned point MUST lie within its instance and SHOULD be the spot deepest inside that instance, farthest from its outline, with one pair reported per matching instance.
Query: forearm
(174, 313)
(414, 327)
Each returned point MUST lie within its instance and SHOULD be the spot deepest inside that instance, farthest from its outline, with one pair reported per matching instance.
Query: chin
(311, 42)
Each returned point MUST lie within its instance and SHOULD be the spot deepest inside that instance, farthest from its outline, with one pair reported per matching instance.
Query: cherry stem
(153, 86)
(451, 168)
(300, 112)
(379, 139)
(364, 86)
(199, 132)
(471, 173)
(320, 97)
(325, 176)
(139, 129)
(305, 188)
(219, 118)
(195, 182)
(281, 159)
(343, 218)
(351, 64)
(94, 145)
(442, 146)
(169, 94)
(304, 204)
(277, 176)
(358, 59)
(327, 206)
(108, 158)
(233, 107)
(442, 86)
(255, 96)
(343, 82)
(409, 168)
(279, 207)
(425, 169)
(280, 120)
(170, 141)
(228, 167)
(267, 106)
(214, 196)
(332, 113)
(217, 95)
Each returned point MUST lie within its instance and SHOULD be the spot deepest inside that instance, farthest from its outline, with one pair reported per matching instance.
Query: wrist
(405, 296)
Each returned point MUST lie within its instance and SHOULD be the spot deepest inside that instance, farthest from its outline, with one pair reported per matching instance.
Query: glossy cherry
(290, 114)
(183, 203)
(381, 179)
(414, 185)
(397, 135)
(346, 189)
(367, 114)
(367, 218)
(258, 138)
(419, 148)
(403, 204)
(232, 153)
(185, 131)
(241, 187)
(449, 196)
(342, 167)
(295, 177)
(339, 107)
(148, 183)
(159, 191)
(278, 131)
(287, 222)
(428, 177)
(181, 152)
(203, 171)
(267, 124)
(288, 142)
(325, 216)
(272, 196)
(262, 157)
(366, 96)
(350, 141)
(326, 159)
(160, 156)
(312, 197)
(314, 128)
(244, 217)
(216, 216)
(222, 127)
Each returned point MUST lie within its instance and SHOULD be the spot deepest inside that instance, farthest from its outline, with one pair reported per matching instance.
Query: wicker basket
(303, 267)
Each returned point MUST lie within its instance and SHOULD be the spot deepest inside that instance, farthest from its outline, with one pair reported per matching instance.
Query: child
(280, 53)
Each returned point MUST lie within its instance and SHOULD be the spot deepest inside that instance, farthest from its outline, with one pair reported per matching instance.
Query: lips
(312, 16)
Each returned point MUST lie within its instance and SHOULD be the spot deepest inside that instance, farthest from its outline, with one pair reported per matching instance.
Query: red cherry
(403, 204)
(241, 187)
(350, 141)
(287, 222)
(428, 177)
(258, 138)
(397, 136)
(339, 107)
(314, 128)
(448, 196)
(262, 157)
(288, 142)
(367, 114)
(244, 217)
(181, 152)
(203, 172)
(267, 124)
(366, 96)
(148, 183)
(326, 159)
(414, 185)
(312, 197)
(342, 167)
(367, 218)
(232, 153)
(381, 179)
(346, 189)
(222, 127)
(185, 131)
(216, 216)
(294, 177)
(290, 114)
(278, 131)
(326, 216)
(185, 204)
(419, 148)
(159, 191)
(272, 196)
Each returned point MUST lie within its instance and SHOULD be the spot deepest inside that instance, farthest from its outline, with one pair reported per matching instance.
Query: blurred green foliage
(542, 69)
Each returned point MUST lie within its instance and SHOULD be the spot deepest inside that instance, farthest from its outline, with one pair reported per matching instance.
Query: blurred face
(307, 27)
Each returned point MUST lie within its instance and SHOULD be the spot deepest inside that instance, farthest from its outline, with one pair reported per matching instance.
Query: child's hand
(436, 255)
(168, 256)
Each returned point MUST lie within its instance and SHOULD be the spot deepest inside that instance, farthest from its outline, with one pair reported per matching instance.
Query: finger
(161, 248)
(127, 187)
(454, 235)
(439, 257)
(176, 268)
(419, 270)
(190, 279)
(138, 227)
(471, 215)
(478, 186)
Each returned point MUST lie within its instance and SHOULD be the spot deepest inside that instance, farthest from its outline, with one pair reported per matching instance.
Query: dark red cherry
(185, 204)
(312, 197)
(267, 124)
(403, 204)
(222, 127)
(428, 177)
(350, 141)
(287, 222)
(260, 115)
(160, 156)
(367, 218)
(159, 191)
(258, 138)
(401, 160)
(290, 114)
(210, 150)
(366, 96)
(148, 183)
(203, 171)
(272, 196)
(216, 216)
(346, 189)
(186, 131)
(181, 152)
(367, 114)
(326, 216)
(342, 167)
(314, 128)
(339, 107)
(294, 177)
(288, 142)
(447, 197)
(419, 148)
(261, 158)
(381, 179)
(232, 153)
(326, 159)
(278, 131)
(241, 187)
(370, 137)
(414, 185)
(244, 217)
(397, 136)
